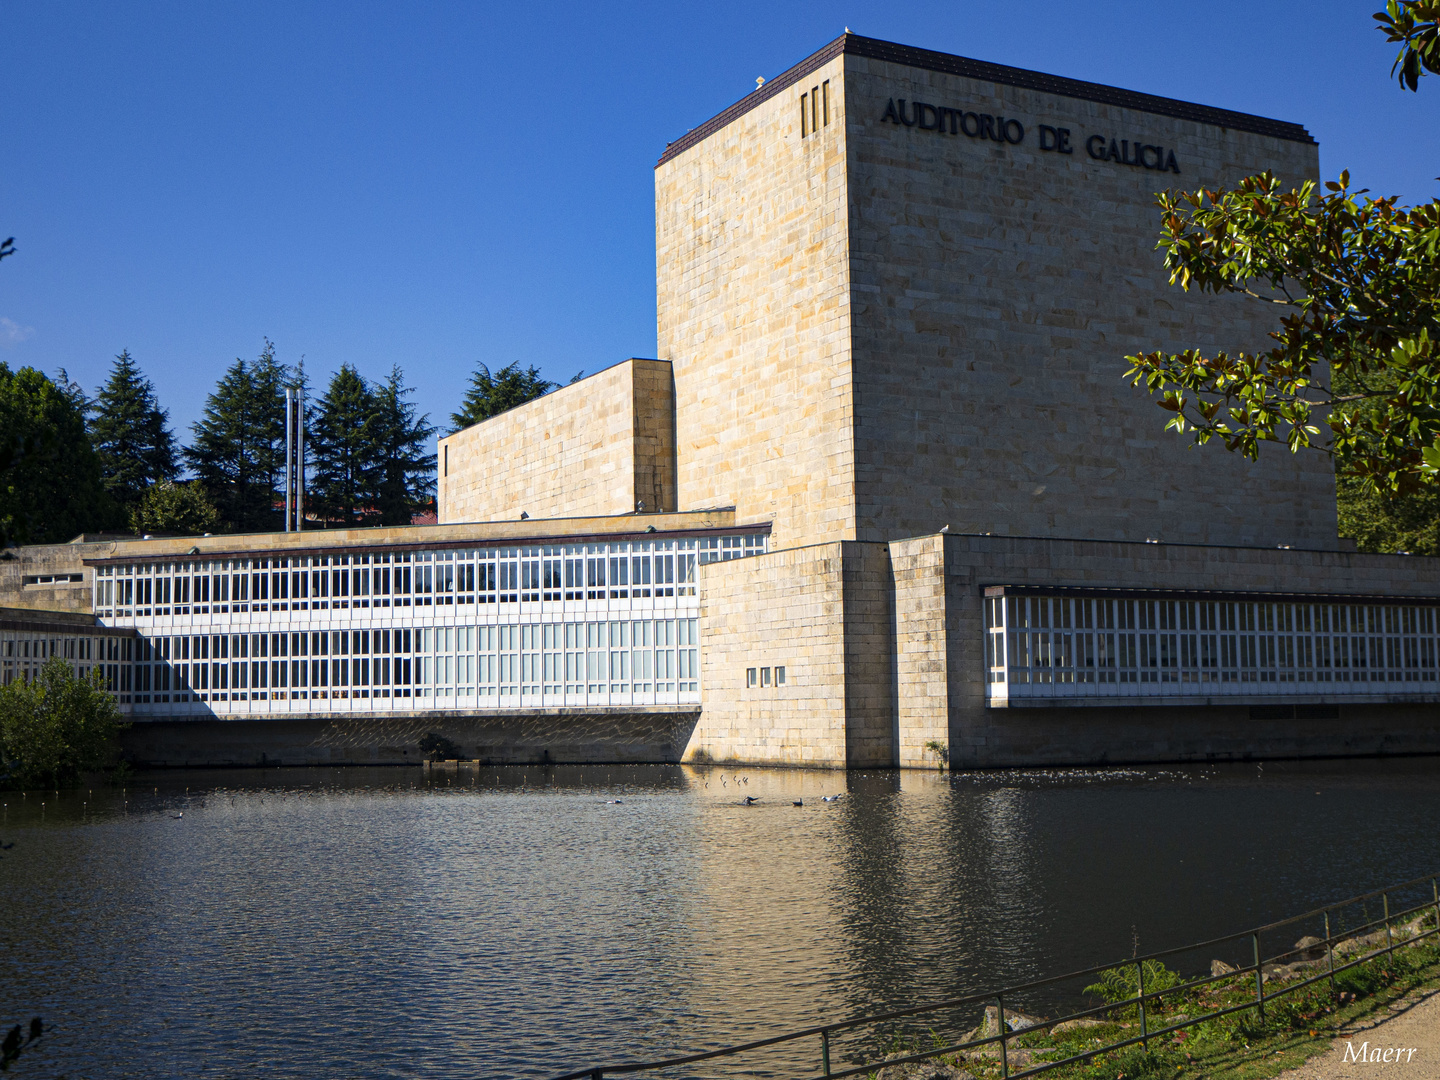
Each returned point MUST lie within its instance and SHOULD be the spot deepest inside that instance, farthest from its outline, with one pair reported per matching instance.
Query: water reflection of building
(894, 288)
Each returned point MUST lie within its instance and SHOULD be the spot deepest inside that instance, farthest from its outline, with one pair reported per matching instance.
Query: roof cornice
(949, 64)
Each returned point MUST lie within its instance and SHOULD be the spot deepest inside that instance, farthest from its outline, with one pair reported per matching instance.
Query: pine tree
(404, 447)
(342, 439)
(490, 395)
(131, 435)
(239, 448)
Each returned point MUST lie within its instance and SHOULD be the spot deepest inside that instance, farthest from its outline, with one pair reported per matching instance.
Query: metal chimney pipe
(299, 458)
(289, 454)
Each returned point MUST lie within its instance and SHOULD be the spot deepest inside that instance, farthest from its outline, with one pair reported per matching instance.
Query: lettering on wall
(1006, 130)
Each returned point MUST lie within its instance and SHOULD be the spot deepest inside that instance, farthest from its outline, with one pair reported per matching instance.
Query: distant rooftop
(875, 49)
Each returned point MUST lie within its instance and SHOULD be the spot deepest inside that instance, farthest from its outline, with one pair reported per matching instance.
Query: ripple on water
(517, 922)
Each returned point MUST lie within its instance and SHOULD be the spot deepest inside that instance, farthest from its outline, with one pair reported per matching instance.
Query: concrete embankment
(557, 736)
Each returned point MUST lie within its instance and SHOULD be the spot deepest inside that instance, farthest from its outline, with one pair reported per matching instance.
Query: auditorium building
(883, 497)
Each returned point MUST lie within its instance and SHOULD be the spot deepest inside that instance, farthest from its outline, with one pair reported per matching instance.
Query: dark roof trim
(929, 60)
(447, 545)
(65, 629)
(1083, 592)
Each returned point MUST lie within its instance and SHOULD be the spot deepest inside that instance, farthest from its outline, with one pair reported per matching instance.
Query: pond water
(526, 922)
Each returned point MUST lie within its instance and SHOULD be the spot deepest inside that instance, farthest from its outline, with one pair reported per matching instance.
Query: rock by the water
(1309, 948)
(1077, 1025)
(933, 1069)
(1220, 967)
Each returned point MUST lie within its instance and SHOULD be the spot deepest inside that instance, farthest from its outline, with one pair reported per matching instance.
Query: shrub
(437, 747)
(1121, 983)
(55, 727)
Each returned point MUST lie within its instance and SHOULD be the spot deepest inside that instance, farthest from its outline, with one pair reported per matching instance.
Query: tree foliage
(1355, 282)
(50, 486)
(170, 507)
(489, 395)
(373, 463)
(239, 448)
(342, 440)
(1416, 25)
(131, 434)
(404, 445)
(56, 726)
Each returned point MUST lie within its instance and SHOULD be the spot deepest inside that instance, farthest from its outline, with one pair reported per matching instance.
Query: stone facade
(924, 642)
(753, 309)
(884, 653)
(782, 609)
(597, 447)
(878, 330)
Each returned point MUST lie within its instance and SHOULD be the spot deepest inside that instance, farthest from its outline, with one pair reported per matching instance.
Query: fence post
(825, 1050)
(1329, 951)
(1435, 891)
(1259, 980)
(1389, 942)
(1140, 982)
(1004, 1056)
(597, 1074)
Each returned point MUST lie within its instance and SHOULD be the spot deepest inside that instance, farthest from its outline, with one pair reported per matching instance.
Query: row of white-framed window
(1068, 641)
(483, 664)
(650, 570)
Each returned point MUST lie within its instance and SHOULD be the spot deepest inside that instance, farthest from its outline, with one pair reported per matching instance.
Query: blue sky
(436, 184)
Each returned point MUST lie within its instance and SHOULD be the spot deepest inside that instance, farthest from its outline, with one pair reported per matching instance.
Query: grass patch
(1240, 1046)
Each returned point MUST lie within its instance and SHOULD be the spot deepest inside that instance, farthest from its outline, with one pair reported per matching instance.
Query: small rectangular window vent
(815, 109)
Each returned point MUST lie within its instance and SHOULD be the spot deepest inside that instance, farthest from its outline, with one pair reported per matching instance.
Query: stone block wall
(996, 290)
(653, 409)
(752, 307)
(985, 737)
(596, 447)
(878, 330)
(786, 608)
(922, 647)
(869, 611)
(49, 561)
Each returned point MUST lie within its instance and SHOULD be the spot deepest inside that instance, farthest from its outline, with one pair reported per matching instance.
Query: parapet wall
(597, 447)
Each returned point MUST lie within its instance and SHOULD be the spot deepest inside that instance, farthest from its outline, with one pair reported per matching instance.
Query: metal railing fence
(1005, 1034)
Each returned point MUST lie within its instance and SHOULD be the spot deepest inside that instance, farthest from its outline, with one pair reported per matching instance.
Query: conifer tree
(239, 448)
(131, 434)
(343, 441)
(490, 395)
(404, 448)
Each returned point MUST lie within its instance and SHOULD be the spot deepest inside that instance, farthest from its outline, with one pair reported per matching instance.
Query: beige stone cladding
(752, 294)
(599, 446)
(822, 613)
(982, 736)
(922, 650)
(38, 576)
(996, 290)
